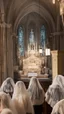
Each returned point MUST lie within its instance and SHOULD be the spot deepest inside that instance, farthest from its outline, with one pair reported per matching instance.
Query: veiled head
(34, 82)
(4, 100)
(58, 107)
(21, 96)
(36, 91)
(8, 86)
(6, 111)
(55, 91)
(53, 95)
(19, 88)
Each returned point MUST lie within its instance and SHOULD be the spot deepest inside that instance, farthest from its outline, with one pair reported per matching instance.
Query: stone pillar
(58, 26)
(54, 64)
(15, 49)
(57, 63)
(9, 52)
(1, 55)
(3, 38)
(3, 51)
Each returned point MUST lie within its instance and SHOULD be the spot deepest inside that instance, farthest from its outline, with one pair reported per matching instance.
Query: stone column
(57, 63)
(58, 25)
(3, 38)
(3, 50)
(9, 52)
(1, 55)
(15, 48)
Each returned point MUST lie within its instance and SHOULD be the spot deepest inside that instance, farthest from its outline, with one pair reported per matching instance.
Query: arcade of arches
(17, 50)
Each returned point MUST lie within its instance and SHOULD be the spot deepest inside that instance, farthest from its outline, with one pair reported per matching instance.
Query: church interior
(31, 46)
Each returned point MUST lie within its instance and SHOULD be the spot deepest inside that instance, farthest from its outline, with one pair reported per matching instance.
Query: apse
(32, 38)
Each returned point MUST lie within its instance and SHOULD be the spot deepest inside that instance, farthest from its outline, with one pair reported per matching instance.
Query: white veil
(6, 102)
(8, 85)
(36, 91)
(55, 91)
(21, 95)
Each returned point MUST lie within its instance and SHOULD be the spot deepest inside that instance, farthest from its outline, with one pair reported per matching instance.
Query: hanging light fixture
(61, 6)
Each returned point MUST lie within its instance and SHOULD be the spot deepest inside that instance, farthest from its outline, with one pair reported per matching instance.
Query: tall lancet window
(31, 39)
(42, 38)
(21, 41)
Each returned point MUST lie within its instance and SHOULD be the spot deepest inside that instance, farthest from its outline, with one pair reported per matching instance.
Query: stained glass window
(42, 38)
(21, 41)
(31, 37)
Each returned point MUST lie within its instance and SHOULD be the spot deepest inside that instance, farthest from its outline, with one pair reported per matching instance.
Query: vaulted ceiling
(18, 10)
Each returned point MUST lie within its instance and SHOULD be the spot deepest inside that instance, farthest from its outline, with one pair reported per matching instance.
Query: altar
(32, 64)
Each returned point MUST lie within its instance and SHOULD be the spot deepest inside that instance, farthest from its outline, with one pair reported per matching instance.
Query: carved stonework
(57, 63)
(32, 64)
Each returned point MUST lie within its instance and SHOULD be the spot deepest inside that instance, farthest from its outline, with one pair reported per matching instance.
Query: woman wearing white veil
(6, 103)
(21, 96)
(37, 94)
(8, 86)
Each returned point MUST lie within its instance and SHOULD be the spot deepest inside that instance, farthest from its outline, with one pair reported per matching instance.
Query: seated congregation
(16, 99)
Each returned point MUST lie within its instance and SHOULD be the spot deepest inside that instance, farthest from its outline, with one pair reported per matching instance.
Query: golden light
(53, 1)
(62, 10)
(47, 51)
(40, 50)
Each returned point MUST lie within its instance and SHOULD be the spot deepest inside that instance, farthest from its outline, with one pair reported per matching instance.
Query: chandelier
(61, 6)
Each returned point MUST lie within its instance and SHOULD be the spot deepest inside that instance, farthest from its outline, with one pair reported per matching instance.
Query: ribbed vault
(16, 10)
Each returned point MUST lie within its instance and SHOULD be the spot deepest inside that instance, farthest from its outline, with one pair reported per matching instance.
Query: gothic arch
(35, 8)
